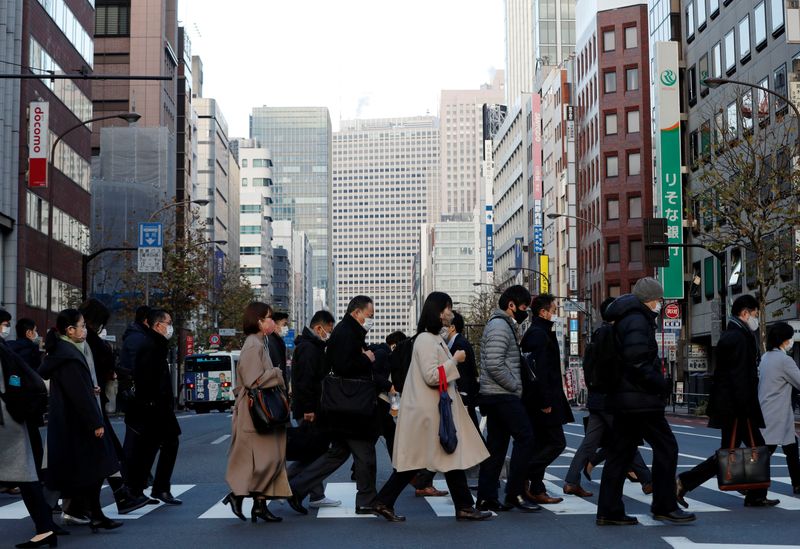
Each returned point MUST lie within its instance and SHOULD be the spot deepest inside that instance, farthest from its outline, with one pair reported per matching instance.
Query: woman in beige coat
(257, 462)
(416, 443)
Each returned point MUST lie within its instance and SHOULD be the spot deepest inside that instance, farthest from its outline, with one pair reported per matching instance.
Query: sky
(359, 58)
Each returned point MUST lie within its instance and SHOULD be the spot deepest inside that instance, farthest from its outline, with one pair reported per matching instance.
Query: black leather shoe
(763, 502)
(365, 511)
(104, 523)
(678, 515)
(167, 498)
(297, 505)
(387, 512)
(471, 513)
(522, 504)
(236, 504)
(624, 520)
(492, 505)
(128, 503)
(49, 540)
(680, 493)
(260, 511)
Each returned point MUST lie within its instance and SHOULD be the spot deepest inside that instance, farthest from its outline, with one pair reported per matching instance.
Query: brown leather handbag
(743, 468)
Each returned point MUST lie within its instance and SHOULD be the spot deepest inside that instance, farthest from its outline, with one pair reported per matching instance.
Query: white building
(385, 183)
(453, 267)
(292, 272)
(520, 48)
(255, 215)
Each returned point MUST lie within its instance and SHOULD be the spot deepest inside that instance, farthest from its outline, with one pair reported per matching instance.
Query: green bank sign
(670, 193)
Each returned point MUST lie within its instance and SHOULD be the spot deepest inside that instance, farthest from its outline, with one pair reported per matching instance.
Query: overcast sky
(359, 58)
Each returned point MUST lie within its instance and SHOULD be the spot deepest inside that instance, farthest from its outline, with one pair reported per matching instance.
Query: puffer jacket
(642, 387)
(500, 357)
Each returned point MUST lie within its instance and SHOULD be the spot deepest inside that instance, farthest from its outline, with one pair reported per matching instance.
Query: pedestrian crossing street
(636, 502)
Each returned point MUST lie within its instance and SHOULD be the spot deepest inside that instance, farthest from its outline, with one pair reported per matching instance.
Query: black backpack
(25, 393)
(602, 361)
(400, 362)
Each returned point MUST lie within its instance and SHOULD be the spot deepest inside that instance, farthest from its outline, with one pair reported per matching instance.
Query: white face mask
(284, 331)
(752, 323)
(445, 333)
(368, 323)
(170, 331)
(658, 307)
(788, 348)
(555, 320)
(325, 335)
(5, 331)
(103, 333)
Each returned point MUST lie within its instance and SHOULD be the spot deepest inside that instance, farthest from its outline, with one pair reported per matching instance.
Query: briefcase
(743, 468)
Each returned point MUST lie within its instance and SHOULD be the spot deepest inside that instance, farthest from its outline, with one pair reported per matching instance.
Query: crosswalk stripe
(442, 506)
(572, 505)
(346, 493)
(787, 502)
(13, 511)
(221, 439)
(221, 511)
(634, 491)
(111, 510)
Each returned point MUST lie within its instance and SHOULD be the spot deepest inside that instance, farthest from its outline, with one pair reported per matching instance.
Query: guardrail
(691, 403)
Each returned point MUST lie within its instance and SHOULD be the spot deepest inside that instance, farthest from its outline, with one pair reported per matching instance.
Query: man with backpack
(637, 403)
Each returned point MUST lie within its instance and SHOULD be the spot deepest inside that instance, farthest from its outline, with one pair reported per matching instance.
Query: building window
(35, 289)
(732, 122)
(612, 166)
(244, 182)
(716, 60)
(244, 163)
(610, 82)
(730, 52)
(611, 124)
(690, 21)
(632, 121)
(612, 209)
(713, 8)
(631, 38)
(691, 84)
(744, 39)
(701, 14)
(249, 208)
(613, 252)
(779, 81)
(112, 20)
(702, 68)
(635, 207)
(777, 16)
(747, 111)
(609, 40)
(632, 79)
(634, 163)
(635, 251)
(763, 100)
(760, 24)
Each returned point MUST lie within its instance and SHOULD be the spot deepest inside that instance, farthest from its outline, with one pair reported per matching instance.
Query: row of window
(631, 122)
(634, 208)
(71, 164)
(631, 80)
(631, 38)
(250, 208)
(257, 182)
(36, 292)
(776, 27)
(634, 164)
(71, 27)
(258, 163)
(73, 98)
(112, 20)
(635, 252)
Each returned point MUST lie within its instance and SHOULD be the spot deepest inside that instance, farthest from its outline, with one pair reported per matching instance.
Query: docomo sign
(38, 137)
(673, 311)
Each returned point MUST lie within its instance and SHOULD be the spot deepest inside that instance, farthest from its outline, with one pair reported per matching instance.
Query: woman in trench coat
(778, 373)
(416, 443)
(257, 462)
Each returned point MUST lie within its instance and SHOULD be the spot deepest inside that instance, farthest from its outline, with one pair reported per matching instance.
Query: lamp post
(130, 118)
(85, 259)
(547, 278)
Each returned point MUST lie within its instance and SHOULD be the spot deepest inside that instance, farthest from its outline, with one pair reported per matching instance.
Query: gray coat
(778, 373)
(500, 357)
(16, 456)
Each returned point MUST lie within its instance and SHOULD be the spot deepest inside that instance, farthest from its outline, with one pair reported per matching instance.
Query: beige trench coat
(416, 443)
(256, 462)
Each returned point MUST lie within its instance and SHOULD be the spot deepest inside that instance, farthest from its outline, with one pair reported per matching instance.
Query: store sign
(489, 238)
(38, 143)
(544, 272)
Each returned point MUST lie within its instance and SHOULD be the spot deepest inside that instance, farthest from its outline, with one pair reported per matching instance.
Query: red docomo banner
(38, 134)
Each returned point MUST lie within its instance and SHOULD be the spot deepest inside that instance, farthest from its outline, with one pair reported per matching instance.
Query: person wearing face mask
(637, 405)
(500, 399)
(277, 344)
(467, 382)
(26, 346)
(151, 414)
(5, 326)
(544, 398)
(733, 398)
(778, 374)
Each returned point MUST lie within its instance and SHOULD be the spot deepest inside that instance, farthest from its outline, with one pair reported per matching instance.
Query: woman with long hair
(416, 443)
(257, 462)
(79, 453)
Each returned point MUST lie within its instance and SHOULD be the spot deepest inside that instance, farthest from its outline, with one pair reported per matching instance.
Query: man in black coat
(26, 346)
(467, 382)
(637, 405)
(734, 397)
(544, 399)
(151, 414)
(347, 356)
(276, 344)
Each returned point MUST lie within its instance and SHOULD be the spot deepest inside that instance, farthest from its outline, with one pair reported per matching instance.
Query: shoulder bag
(353, 396)
(743, 468)
(448, 437)
(269, 408)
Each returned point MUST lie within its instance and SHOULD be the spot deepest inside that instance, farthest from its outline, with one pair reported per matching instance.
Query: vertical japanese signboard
(667, 100)
(38, 143)
(536, 115)
(544, 274)
(489, 238)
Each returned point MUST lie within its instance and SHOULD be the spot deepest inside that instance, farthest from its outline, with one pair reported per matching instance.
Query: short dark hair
(430, 318)
(255, 311)
(518, 294)
(395, 337)
(142, 311)
(321, 317)
(542, 301)
(743, 303)
(5, 316)
(23, 325)
(94, 313)
(65, 319)
(458, 322)
(279, 315)
(778, 333)
(156, 315)
(358, 303)
(604, 306)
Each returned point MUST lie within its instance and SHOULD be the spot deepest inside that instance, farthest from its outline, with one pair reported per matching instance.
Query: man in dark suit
(275, 343)
(467, 383)
(26, 346)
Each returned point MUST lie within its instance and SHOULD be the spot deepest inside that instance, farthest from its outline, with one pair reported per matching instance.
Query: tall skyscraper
(520, 48)
(300, 141)
(461, 150)
(385, 175)
(555, 31)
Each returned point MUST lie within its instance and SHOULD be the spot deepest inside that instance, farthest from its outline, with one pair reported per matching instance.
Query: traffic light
(656, 251)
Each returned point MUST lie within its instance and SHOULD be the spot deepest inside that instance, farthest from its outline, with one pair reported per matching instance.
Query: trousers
(456, 483)
(550, 442)
(141, 456)
(37, 507)
(792, 460)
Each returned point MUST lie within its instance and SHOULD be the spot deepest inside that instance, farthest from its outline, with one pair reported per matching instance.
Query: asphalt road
(201, 521)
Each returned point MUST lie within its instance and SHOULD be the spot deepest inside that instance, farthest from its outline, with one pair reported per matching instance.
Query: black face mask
(520, 316)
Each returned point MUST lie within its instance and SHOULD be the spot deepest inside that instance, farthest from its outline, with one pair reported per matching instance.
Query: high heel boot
(260, 511)
(236, 504)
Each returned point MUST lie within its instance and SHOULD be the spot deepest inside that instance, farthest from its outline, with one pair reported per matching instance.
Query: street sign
(227, 332)
(150, 260)
(189, 345)
(673, 311)
(214, 339)
(38, 143)
(150, 235)
(673, 324)
(572, 306)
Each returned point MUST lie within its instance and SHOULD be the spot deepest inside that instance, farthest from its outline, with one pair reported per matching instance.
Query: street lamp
(541, 274)
(130, 118)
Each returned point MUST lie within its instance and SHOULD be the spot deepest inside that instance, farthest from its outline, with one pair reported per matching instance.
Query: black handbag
(448, 437)
(743, 468)
(351, 396)
(269, 408)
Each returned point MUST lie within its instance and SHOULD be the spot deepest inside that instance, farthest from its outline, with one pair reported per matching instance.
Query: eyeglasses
(81, 326)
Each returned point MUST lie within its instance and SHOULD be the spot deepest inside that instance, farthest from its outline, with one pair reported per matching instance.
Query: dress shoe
(647, 488)
(522, 504)
(471, 513)
(542, 499)
(167, 498)
(678, 515)
(492, 505)
(365, 511)
(624, 520)
(577, 490)
(236, 504)
(129, 502)
(50, 540)
(261, 511)
(104, 523)
(69, 520)
(295, 503)
(762, 502)
(324, 502)
(383, 510)
(430, 492)
(680, 493)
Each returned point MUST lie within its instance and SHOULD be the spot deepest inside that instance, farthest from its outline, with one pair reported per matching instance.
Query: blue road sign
(150, 235)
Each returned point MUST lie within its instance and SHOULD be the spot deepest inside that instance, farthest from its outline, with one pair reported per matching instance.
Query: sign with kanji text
(150, 235)
(227, 332)
(673, 324)
(150, 260)
(672, 310)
